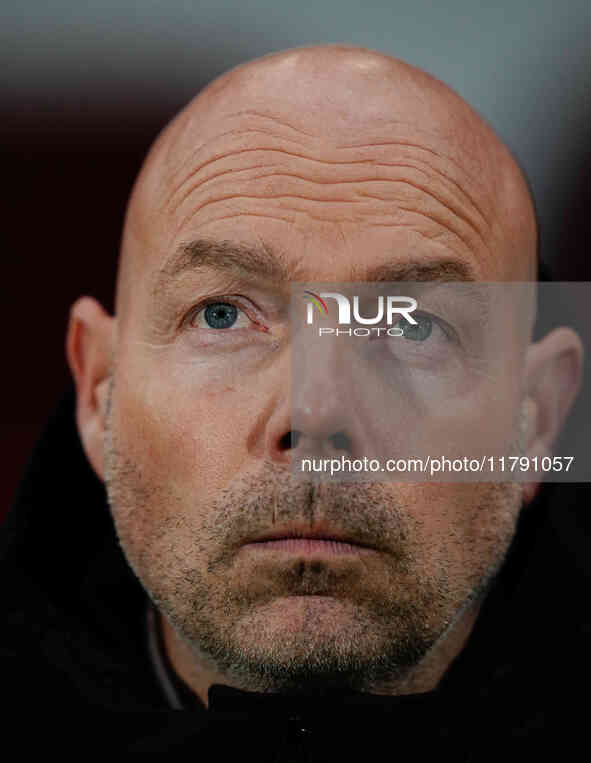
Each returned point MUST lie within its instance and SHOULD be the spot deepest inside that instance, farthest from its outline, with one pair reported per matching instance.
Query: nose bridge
(319, 382)
(313, 411)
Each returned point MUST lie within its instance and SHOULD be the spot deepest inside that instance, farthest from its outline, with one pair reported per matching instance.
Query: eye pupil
(220, 315)
(420, 331)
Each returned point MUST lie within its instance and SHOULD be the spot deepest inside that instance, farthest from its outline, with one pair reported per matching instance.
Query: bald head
(325, 164)
(300, 143)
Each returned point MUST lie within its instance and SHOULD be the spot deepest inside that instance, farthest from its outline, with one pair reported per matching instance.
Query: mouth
(305, 540)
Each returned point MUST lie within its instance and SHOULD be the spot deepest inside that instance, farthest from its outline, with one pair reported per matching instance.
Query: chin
(313, 615)
(318, 641)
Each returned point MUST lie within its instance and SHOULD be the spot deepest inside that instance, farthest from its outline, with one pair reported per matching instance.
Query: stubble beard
(343, 633)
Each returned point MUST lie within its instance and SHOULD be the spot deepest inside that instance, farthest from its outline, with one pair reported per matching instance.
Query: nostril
(289, 440)
(341, 441)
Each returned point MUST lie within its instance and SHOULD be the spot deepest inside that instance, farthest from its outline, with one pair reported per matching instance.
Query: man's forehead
(328, 101)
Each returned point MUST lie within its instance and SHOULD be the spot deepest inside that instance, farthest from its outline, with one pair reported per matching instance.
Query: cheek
(180, 435)
(460, 525)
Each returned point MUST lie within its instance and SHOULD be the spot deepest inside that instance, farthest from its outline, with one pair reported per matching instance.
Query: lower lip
(308, 546)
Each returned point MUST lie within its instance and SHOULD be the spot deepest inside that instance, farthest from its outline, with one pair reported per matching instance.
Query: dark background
(85, 89)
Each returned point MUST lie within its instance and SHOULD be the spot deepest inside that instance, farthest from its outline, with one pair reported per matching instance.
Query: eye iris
(220, 315)
(418, 333)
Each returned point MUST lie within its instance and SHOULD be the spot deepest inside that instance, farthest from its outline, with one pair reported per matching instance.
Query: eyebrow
(263, 262)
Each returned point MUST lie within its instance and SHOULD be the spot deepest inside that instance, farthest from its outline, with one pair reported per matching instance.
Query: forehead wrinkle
(438, 220)
(462, 188)
(423, 147)
(369, 161)
(219, 136)
(216, 137)
(453, 205)
(443, 224)
(375, 136)
(448, 177)
(456, 210)
(236, 152)
(272, 117)
(474, 170)
(433, 216)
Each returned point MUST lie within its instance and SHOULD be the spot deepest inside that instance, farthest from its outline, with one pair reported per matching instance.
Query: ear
(553, 373)
(90, 343)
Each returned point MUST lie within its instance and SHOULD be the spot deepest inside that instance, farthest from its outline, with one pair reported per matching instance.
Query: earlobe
(553, 373)
(89, 347)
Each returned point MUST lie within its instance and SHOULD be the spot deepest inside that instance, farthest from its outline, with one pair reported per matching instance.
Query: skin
(342, 159)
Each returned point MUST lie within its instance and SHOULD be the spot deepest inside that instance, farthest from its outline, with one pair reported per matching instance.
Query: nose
(317, 415)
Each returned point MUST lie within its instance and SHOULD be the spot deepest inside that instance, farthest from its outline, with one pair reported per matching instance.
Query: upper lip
(304, 530)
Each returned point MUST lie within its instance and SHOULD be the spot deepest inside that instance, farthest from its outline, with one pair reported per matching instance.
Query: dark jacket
(74, 643)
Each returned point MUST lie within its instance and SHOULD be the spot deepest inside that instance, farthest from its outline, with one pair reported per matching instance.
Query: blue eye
(419, 332)
(220, 315)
